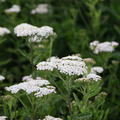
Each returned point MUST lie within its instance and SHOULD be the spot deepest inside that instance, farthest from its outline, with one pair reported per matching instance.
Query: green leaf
(25, 54)
(5, 62)
(84, 116)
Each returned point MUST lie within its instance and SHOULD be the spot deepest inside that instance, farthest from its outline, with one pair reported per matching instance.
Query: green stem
(69, 97)
(21, 101)
(57, 86)
(67, 84)
(51, 45)
(33, 107)
(10, 113)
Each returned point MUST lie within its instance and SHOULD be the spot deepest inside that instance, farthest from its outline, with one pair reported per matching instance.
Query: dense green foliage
(76, 23)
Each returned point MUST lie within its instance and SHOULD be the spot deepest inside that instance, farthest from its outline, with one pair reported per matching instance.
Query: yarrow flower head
(93, 77)
(51, 118)
(97, 69)
(2, 78)
(45, 31)
(3, 117)
(35, 34)
(90, 77)
(2, 0)
(73, 57)
(70, 65)
(4, 31)
(103, 47)
(25, 29)
(13, 9)
(27, 78)
(40, 9)
(38, 86)
(45, 91)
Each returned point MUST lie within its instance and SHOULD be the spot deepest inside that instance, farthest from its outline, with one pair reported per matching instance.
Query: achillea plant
(34, 90)
(72, 70)
(104, 50)
(38, 39)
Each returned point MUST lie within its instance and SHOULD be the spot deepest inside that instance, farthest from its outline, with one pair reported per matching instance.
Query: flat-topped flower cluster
(4, 31)
(98, 47)
(35, 34)
(13, 9)
(40, 9)
(26, 29)
(2, 78)
(70, 65)
(38, 86)
(51, 118)
(3, 117)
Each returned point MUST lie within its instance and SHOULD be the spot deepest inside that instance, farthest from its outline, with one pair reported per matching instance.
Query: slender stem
(69, 98)
(33, 107)
(10, 113)
(51, 45)
(67, 84)
(22, 103)
(15, 111)
(59, 89)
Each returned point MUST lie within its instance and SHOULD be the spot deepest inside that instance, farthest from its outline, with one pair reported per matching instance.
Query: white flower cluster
(43, 32)
(97, 69)
(25, 29)
(73, 57)
(45, 91)
(51, 118)
(46, 66)
(3, 117)
(70, 65)
(2, 0)
(36, 34)
(13, 9)
(2, 78)
(28, 78)
(38, 86)
(92, 75)
(103, 47)
(4, 31)
(40, 9)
